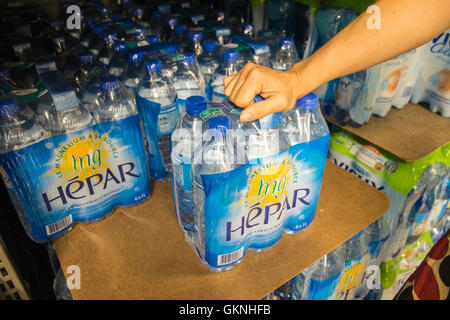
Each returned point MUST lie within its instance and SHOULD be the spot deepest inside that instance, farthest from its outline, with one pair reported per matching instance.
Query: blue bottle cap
(189, 58)
(158, 15)
(98, 29)
(120, 46)
(109, 83)
(105, 11)
(153, 65)
(220, 15)
(308, 103)
(248, 27)
(136, 57)
(8, 107)
(172, 21)
(179, 29)
(286, 42)
(138, 11)
(221, 123)
(170, 49)
(86, 58)
(209, 46)
(58, 39)
(195, 36)
(229, 55)
(140, 31)
(153, 38)
(195, 104)
(110, 36)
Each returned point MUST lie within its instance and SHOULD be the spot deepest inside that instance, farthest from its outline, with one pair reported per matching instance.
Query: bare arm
(405, 24)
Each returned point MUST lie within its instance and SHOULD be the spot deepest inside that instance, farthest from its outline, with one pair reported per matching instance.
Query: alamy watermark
(374, 19)
(73, 22)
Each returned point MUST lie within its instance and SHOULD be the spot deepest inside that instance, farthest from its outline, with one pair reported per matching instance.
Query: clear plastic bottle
(157, 103)
(186, 139)
(319, 281)
(168, 57)
(17, 132)
(195, 43)
(135, 71)
(113, 101)
(228, 67)
(248, 29)
(107, 51)
(377, 235)
(96, 40)
(188, 80)
(286, 56)
(217, 157)
(156, 23)
(169, 28)
(438, 212)
(305, 121)
(208, 61)
(119, 60)
(179, 36)
(355, 254)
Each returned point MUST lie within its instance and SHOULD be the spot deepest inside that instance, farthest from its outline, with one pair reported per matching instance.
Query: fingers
(244, 82)
(262, 109)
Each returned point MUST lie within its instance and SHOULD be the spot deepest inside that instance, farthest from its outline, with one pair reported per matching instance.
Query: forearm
(405, 24)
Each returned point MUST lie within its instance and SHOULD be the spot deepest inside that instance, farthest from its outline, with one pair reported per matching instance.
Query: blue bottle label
(323, 289)
(158, 121)
(79, 176)
(250, 206)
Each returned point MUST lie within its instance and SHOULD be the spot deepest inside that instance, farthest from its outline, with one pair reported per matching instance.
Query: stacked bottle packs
(71, 165)
(238, 186)
(415, 215)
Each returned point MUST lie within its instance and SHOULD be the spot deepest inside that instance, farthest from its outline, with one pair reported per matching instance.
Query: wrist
(306, 77)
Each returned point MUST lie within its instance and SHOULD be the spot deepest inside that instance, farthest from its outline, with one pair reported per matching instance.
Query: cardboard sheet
(140, 252)
(410, 133)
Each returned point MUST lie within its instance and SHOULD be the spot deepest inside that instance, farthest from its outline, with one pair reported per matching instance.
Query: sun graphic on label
(83, 156)
(269, 182)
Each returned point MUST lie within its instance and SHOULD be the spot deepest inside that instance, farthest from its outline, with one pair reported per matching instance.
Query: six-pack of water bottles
(95, 104)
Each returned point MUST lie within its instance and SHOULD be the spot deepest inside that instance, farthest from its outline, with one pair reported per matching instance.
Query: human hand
(280, 89)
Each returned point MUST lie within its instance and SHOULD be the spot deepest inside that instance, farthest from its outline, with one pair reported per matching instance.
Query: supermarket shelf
(410, 133)
(11, 287)
(140, 252)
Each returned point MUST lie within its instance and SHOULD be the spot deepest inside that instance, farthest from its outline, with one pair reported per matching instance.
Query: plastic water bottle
(156, 23)
(248, 29)
(157, 103)
(228, 67)
(188, 80)
(134, 72)
(119, 60)
(186, 139)
(87, 81)
(17, 132)
(422, 209)
(96, 40)
(355, 254)
(169, 28)
(107, 51)
(319, 281)
(208, 60)
(195, 43)
(377, 235)
(286, 55)
(85, 61)
(305, 121)
(217, 156)
(179, 36)
(113, 101)
(438, 212)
